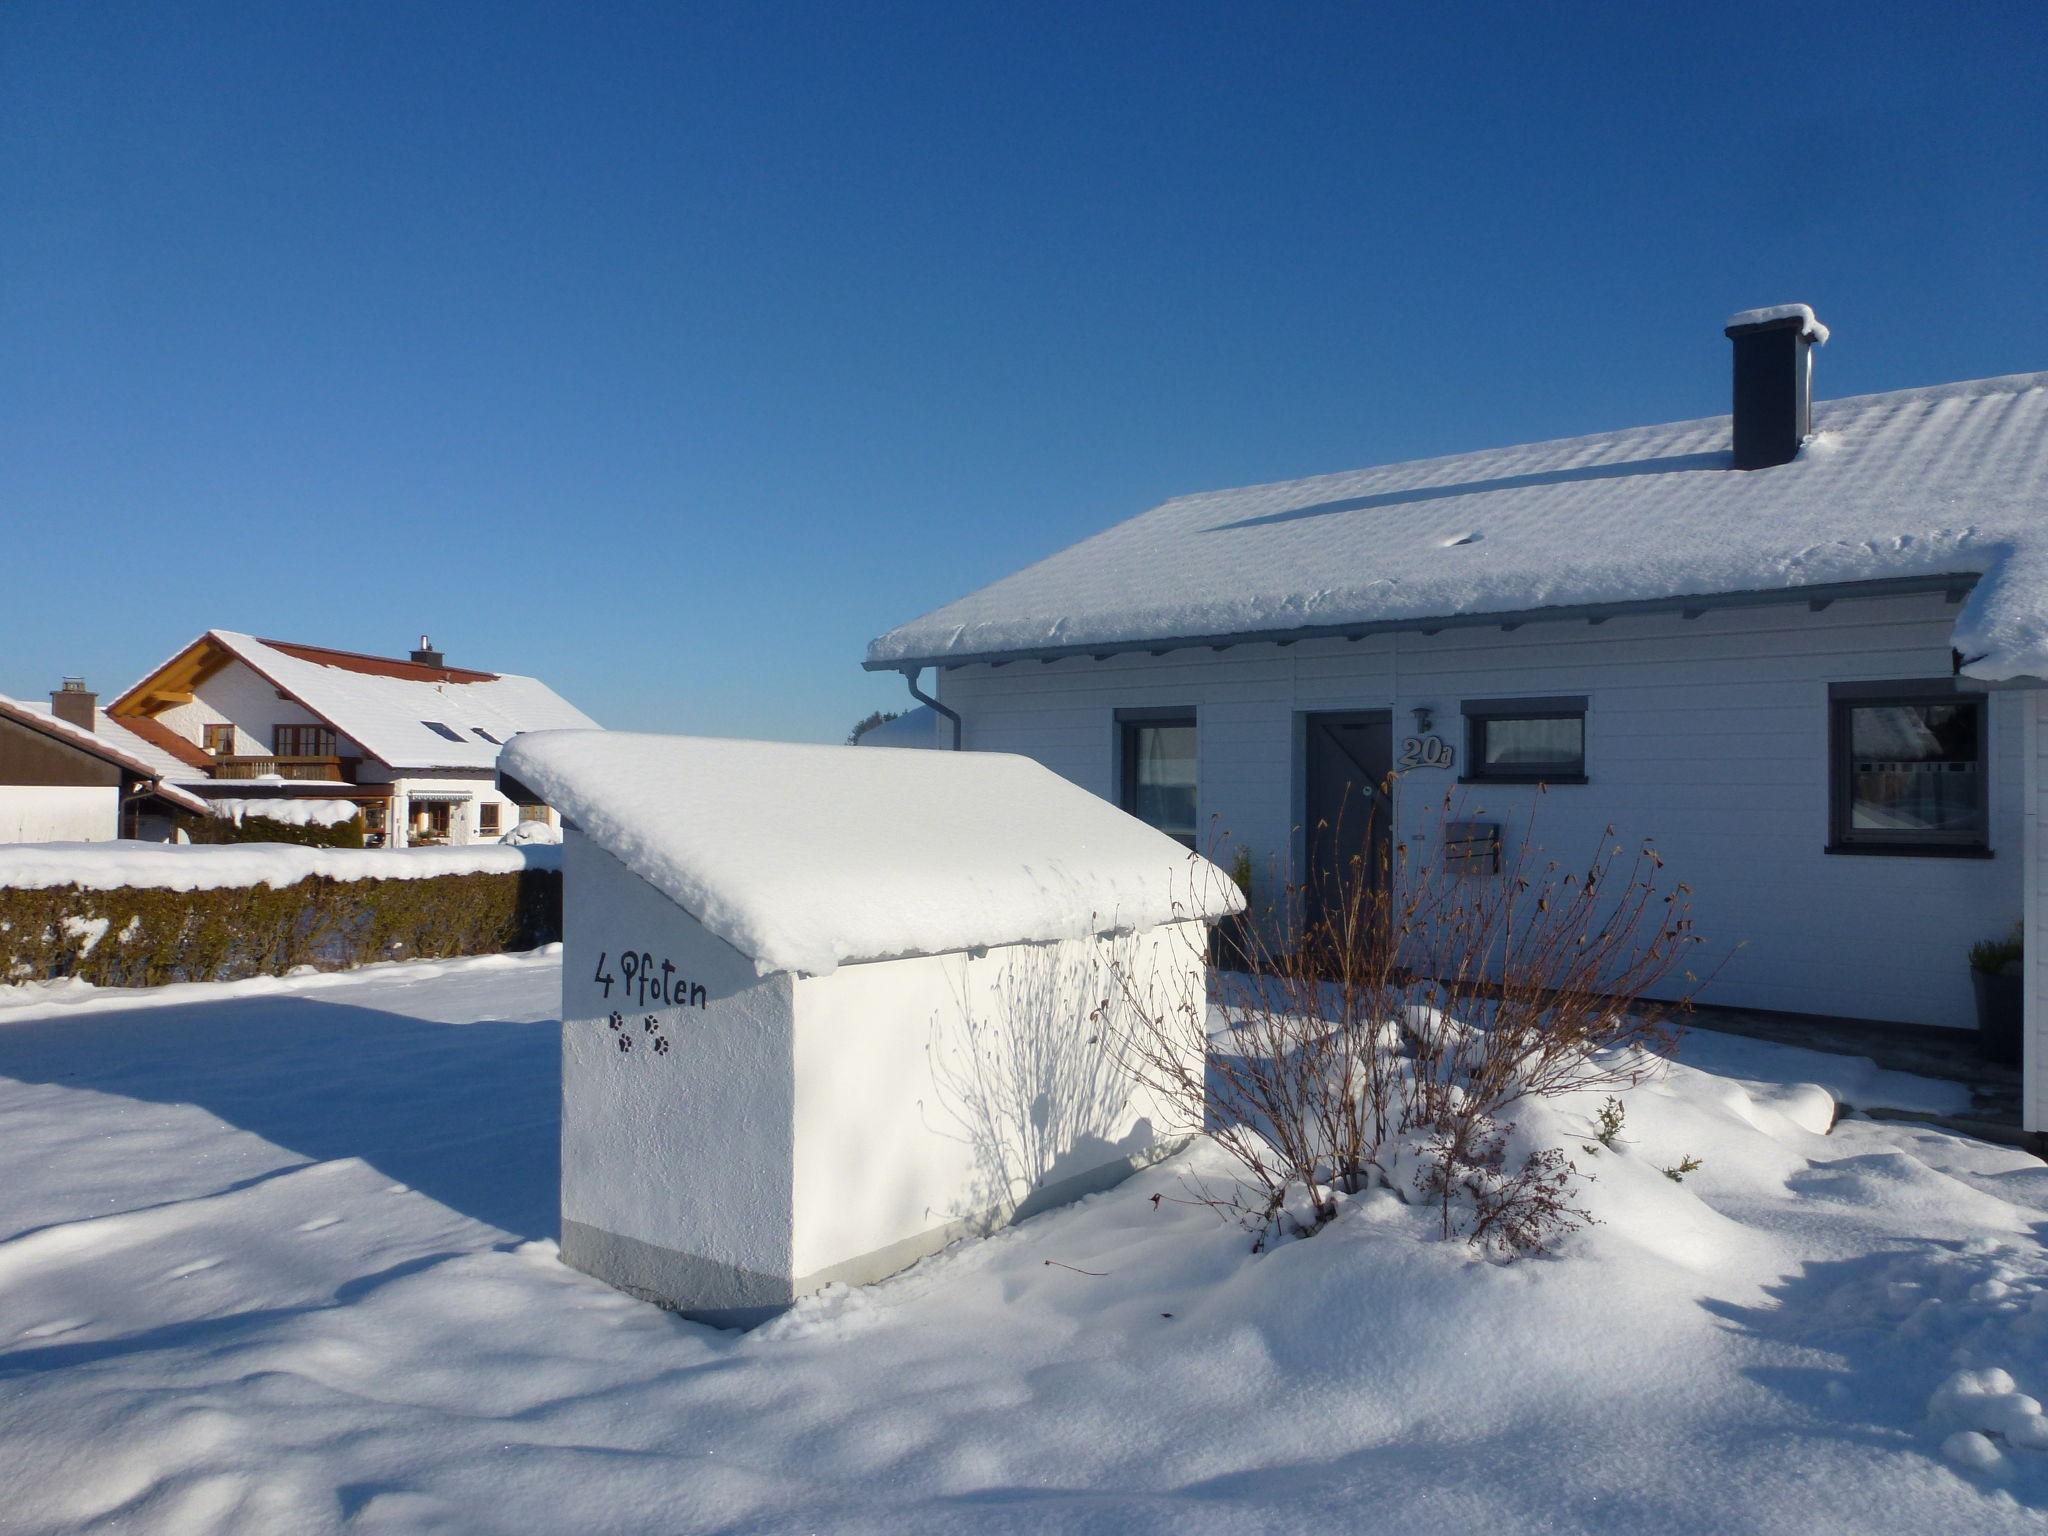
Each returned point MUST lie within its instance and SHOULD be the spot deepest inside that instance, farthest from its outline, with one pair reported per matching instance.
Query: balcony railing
(321, 768)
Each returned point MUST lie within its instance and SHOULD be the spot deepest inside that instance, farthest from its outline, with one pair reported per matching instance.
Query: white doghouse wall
(795, 1131)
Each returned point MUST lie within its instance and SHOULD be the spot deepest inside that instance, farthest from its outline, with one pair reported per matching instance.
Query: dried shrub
(1385, 1026)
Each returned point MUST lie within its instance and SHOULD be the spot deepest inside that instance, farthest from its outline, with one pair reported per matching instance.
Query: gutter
(1954, 585)
(910, 677)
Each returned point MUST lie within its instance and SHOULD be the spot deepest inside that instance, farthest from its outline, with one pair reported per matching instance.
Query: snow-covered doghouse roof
(404, 713)
(1896, 489)
(804, 858)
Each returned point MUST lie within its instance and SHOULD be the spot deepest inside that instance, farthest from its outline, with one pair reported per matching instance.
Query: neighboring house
(1808, 663)
(413, 743)
(64, 779)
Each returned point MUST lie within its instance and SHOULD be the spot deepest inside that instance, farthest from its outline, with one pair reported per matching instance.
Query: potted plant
(1999, 977)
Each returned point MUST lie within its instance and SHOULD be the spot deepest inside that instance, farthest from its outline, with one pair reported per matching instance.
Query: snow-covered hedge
(145, 914)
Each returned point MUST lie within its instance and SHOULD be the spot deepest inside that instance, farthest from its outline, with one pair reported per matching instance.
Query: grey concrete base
(727, 1296)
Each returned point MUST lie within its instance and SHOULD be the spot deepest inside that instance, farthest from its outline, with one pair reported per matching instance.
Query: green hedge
(261, 829)
(154, 936)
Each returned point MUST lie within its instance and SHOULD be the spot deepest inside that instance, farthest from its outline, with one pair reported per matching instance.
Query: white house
(65, 780)
(1801, 647)
(826, 1010)
(413, 743)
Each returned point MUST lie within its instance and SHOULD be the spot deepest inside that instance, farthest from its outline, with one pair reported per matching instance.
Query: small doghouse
(827, 1010)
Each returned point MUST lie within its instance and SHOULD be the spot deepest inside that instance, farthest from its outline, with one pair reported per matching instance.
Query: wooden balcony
(328, 769)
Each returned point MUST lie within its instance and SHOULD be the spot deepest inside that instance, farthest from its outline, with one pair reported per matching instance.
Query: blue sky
(671, 353)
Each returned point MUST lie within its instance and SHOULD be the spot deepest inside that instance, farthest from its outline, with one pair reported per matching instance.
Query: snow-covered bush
(1387, 1040)
(530, 833)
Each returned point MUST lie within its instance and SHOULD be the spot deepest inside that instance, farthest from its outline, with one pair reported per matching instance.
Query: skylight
(442, 730)
(477, 730)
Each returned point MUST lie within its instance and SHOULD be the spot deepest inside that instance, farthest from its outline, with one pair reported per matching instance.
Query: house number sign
(1425, 752)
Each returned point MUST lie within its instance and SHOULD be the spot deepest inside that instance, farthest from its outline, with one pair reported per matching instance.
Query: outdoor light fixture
(1423, 717)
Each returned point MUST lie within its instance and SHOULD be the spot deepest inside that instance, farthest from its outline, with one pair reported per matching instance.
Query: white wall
(936, 1094)
(239, 696)
(464, 822)
(1709, 735)
(686, 1151)
(59, 813)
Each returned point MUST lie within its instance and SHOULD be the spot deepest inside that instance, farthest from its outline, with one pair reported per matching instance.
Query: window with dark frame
(1158, 769)
(1908, 770)
(487, 816)
(1525, 741)
(301, 741)
(533, 813)
(219, 740)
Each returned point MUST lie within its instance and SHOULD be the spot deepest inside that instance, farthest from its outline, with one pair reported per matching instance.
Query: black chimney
(426, 655)
(74, 705)
(1773, 382)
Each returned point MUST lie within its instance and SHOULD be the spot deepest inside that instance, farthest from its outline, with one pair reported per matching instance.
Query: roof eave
(1954, 584)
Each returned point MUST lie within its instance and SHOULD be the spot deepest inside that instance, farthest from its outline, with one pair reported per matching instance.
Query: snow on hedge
(206, 867)
(803, 857)
(282, 1259)
(1951, 480)
(290, 813)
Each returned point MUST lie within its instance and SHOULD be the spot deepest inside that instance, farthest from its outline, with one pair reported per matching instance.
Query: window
(537, 813)
(1159, 770)
(1525, 741)
(1909, 769)
(219, 739)
(302, 741)
(447, 732)
(487, 817)
(477, 730)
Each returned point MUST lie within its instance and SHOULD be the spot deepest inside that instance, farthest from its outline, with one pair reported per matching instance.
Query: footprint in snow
(197, 1266)
(319, 1223)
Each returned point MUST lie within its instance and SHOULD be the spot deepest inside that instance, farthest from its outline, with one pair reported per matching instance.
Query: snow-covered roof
(1951, 480)
(392, 708)
(807, 857)
(122, 735)
(124, 751)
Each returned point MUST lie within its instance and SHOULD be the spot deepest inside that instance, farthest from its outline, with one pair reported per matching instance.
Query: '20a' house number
(1425, 752)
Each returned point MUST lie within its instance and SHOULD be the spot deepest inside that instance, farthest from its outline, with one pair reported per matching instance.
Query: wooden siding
(1708, 734)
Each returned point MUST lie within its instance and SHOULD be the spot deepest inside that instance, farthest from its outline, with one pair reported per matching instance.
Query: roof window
(477, 730)
(448, 732)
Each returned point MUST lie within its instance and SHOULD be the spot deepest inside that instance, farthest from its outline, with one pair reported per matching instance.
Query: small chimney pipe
(426, 655)
(1773, 382)
(75, 704)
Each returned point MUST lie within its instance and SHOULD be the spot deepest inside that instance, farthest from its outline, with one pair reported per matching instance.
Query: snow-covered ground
(277, 1256)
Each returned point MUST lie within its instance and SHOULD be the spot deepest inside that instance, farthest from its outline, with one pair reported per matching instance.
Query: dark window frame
(1479, 713)
(321, 737)
(1972, 843)
(1128, 723)
(444, 730)
(218, 738)
(487, 817)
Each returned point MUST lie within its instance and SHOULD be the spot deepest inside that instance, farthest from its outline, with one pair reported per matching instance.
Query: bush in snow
(144, 936)
(304, 824)
(1384, 1033)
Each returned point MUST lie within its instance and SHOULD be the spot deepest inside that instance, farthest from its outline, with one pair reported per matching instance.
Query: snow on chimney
(426, 655)
(74, 704)
(1773, 382)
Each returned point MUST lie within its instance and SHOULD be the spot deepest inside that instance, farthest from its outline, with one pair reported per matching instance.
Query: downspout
(910, 677)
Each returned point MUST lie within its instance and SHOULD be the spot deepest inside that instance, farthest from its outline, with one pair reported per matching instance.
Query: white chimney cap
(1766, 315)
